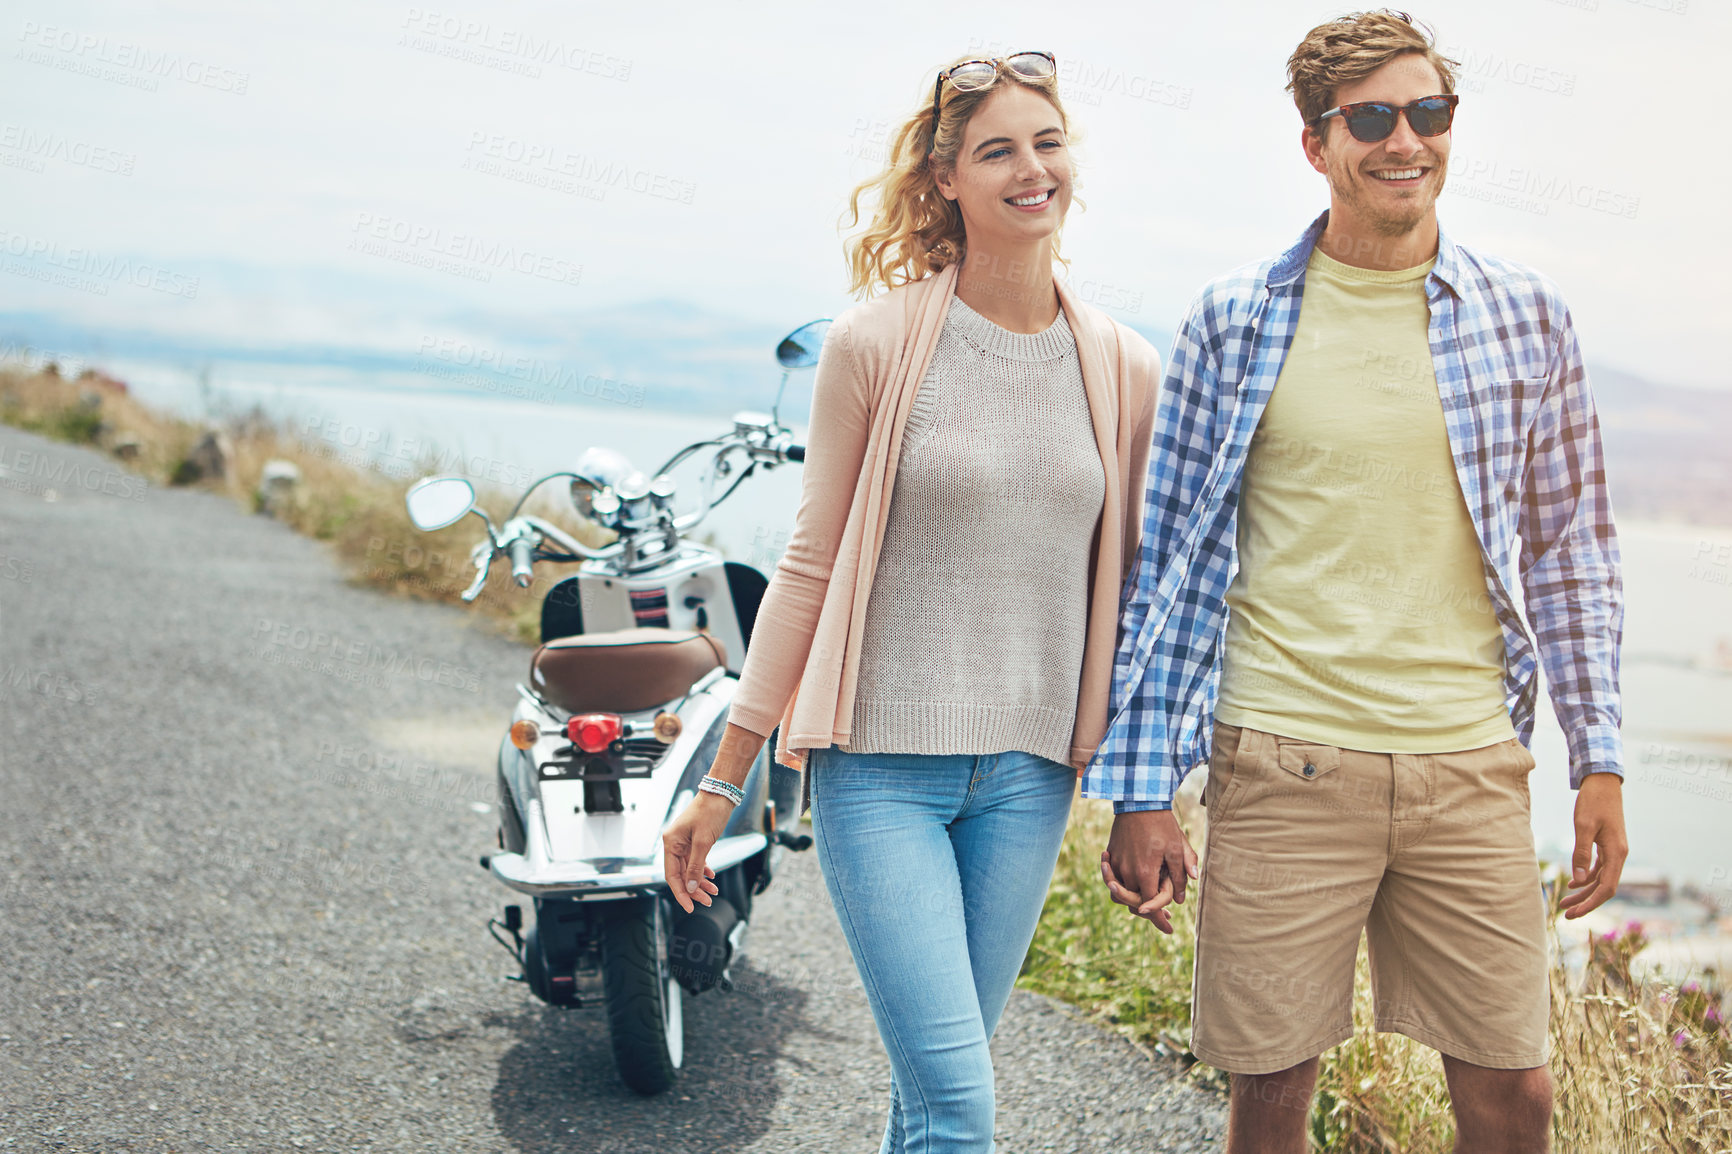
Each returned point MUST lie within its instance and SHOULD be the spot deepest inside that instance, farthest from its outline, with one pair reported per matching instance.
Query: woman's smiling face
(1013, 174)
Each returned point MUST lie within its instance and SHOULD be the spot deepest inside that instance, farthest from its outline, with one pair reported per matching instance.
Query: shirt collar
(1290, 265)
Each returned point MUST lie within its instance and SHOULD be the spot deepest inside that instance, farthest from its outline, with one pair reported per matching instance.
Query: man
(1366, 450)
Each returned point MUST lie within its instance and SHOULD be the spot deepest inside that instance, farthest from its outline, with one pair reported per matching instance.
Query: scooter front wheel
(645, 1009)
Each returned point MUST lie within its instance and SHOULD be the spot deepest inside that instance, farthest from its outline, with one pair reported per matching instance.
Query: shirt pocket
(1306, 761)
(1514, 403)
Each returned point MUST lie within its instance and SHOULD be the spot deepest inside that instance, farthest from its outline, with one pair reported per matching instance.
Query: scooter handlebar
(795, 453)
(521, 571)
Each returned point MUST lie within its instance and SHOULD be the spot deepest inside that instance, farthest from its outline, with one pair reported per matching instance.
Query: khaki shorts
(1432, 855)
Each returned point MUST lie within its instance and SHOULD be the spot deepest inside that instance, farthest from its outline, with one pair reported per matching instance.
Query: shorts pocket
(1521, 765)
(1305, 761)
(1229, 765)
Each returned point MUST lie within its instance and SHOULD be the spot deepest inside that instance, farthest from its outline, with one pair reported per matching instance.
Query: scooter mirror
(800, 348)
(435, 502)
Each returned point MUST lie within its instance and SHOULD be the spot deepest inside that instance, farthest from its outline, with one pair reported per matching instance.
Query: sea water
(1677, 654)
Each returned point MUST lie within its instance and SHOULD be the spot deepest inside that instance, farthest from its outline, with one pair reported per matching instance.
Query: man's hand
(1600, 843)
(1147, 862)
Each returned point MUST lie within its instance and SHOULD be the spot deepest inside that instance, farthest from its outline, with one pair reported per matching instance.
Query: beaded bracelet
(722, 788)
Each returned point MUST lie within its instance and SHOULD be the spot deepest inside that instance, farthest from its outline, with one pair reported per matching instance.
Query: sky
(378, 176)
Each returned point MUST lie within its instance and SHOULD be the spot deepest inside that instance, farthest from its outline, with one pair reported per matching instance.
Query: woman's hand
(687, 840)
(685, 845)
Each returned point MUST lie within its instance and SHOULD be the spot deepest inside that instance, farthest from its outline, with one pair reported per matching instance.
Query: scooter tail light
(594, 732)
(524, 733)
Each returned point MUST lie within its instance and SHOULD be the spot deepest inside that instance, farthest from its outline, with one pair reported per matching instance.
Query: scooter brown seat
(624, 671)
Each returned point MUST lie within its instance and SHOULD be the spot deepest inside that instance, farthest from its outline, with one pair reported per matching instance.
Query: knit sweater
(974, 631)
(802, 668)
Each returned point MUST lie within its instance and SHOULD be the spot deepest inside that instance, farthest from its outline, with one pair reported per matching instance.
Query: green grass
(1094, 954)
(76, 424)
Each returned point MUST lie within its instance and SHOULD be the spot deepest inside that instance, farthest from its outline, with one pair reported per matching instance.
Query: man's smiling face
(1390, 187)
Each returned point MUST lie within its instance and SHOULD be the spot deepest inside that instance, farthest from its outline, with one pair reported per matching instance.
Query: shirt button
(1310, 770)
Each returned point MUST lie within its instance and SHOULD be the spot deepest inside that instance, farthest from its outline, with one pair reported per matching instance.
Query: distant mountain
(678, 357)
(1666, 446)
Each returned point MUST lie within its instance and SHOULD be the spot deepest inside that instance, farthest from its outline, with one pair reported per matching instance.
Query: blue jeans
(938, 866)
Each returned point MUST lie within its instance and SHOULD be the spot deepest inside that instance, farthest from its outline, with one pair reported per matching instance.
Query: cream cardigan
(801, 671)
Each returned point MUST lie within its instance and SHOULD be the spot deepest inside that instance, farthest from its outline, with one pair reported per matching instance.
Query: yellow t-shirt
(1360, 615)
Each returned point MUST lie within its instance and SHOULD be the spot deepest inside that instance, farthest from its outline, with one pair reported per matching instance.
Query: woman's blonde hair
(915, 231)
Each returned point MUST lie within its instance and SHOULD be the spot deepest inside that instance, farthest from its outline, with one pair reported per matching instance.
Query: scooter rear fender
(569, 852)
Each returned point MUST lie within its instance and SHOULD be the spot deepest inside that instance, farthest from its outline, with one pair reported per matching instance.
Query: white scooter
(625, 704)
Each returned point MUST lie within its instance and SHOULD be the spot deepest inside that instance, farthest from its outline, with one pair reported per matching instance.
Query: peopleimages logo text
(543, 380)
(433, 242)
(53, 146)
(102, 266)
(89, 47)
(315, 643)
(583, 168)
(34, 472)
(1544, 188)
(516, 43)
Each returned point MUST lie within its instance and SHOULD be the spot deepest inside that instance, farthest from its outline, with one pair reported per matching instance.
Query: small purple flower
(1633, 928)
(1691, 988)
(1680, 1038)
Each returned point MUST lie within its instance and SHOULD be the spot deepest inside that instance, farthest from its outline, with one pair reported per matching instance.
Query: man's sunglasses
(973, 75)
(1372, 120)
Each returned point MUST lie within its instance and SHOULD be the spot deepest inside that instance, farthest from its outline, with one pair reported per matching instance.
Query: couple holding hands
(1022, 554)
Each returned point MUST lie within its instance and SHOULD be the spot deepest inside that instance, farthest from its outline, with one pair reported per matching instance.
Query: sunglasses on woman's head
(1373, 120)
(973, 75)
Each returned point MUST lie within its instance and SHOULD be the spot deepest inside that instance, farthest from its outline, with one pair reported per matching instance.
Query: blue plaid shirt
(1526, 445)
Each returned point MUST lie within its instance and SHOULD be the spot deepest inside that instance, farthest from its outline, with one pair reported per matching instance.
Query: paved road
(241, 909)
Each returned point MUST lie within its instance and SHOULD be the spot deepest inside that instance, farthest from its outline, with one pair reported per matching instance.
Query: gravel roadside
(241, 906)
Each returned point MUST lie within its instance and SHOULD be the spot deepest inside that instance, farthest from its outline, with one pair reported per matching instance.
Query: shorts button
(1310, 770)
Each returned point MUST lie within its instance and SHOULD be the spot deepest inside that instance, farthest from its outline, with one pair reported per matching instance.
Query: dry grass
(1640, 1066)
(358, 511)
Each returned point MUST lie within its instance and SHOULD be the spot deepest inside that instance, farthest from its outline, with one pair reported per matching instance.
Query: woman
(939, 633)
